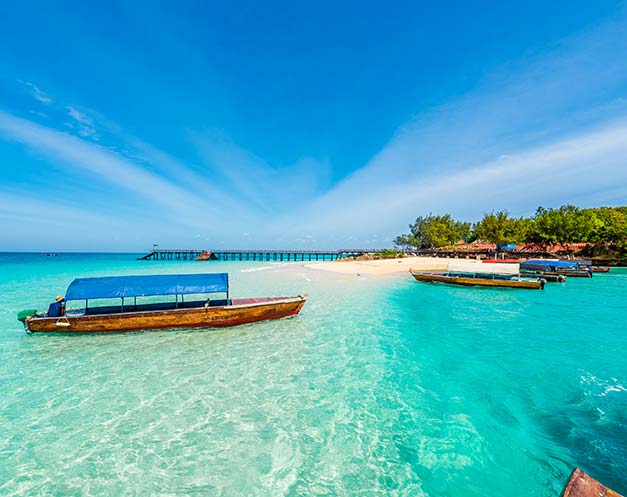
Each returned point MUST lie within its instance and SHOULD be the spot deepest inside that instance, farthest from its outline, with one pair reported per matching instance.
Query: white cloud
(585, 165)
(83, 123)
(79, 116)
(547, 131)
(37, 93)
(271, 189)
(75, 154)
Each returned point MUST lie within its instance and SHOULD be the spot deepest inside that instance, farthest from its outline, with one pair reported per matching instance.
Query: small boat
(194, 313)
(581, 484)
(575, 273)
(547, 275)
(550, 266)
(478, 279)
(204, 256)
(599, 269)
(49, 254)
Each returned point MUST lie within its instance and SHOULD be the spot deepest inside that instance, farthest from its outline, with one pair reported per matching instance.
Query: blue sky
(292, 124)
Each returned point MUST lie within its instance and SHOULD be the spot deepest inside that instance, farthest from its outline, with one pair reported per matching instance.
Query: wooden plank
(582, 484)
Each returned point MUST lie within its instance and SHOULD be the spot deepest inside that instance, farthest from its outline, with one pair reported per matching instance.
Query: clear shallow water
(380, 387)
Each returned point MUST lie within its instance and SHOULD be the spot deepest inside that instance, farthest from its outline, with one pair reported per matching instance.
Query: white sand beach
(385, 267)
(397, 266)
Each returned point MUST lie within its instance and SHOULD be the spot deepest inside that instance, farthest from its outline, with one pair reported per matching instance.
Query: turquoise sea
(382, 386)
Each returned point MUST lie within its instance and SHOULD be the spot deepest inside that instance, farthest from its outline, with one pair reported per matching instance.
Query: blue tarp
(140, 286)
(548, 265)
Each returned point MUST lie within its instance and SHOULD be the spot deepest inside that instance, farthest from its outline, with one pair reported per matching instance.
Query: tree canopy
(437, 231)
(566, 224)
(501, 229)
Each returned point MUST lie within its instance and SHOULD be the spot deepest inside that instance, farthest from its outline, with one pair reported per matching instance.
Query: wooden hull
(240, 311)
(581, 484)
(550, 277)
(205, 256)
(465, 281)
(599, 269)
(575, 273)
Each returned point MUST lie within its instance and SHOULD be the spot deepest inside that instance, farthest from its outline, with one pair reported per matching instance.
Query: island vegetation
(602, 229)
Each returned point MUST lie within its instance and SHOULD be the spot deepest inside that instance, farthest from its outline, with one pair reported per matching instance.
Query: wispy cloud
(76, 154)
(37, 93)
(546, 130)
(589, 167)
(272, 189)
(83, 123)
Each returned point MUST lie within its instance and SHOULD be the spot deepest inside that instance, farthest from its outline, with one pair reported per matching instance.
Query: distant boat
(599, 269)
(555, 266)
(584, 264)
(204, 256)
(478, 279)
(547, 275)
(198, 313)
(49, 254)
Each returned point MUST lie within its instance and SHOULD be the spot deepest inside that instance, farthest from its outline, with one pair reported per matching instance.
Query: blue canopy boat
(130, 315)
(554, 267)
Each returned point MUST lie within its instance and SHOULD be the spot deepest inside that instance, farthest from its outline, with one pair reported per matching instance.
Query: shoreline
(401, 266)
(398, 266)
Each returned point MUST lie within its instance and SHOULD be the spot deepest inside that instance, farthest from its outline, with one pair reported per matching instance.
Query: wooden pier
(255, 255)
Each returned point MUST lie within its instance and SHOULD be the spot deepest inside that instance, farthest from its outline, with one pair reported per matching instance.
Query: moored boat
(477, 279)
(554, 266)
(549, 276)
(195, 313)
(599, 269)
(204, 256)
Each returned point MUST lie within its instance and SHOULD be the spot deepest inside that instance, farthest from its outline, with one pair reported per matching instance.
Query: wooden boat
(475, 279)
(599, 269)
(581, 484)
(203, 313)
(204, 256)
(575, 273)
(555, 267)
(547, 275)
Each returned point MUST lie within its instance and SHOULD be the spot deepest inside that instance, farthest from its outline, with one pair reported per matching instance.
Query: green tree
(612, 224)
(501, 229)
(438, 231)
(405, 241)
(564, 225)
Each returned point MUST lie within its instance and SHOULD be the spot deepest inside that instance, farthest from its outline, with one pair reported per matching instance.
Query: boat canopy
(549, 265)
(150, 285)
